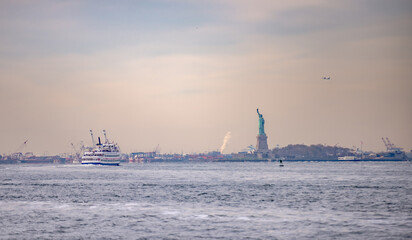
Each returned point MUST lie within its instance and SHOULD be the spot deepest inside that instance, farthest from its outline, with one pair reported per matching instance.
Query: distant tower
(262, 139)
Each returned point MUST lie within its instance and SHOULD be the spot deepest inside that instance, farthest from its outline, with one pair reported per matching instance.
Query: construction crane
(22, 146)
(18, 152)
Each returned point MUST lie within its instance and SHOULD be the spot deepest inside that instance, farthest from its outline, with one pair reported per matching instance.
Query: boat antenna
(91, 133)
(105, 137)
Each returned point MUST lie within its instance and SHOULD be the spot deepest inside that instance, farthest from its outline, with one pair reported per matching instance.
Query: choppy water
(207, 200)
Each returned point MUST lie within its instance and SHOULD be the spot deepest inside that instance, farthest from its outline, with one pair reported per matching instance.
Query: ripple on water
(215, 200)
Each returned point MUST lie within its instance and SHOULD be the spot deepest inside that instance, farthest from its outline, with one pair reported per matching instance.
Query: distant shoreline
(217, 161)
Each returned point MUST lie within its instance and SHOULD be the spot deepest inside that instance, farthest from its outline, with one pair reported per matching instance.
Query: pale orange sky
(182, 74)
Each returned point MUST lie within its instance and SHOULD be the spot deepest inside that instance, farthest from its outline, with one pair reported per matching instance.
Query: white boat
(103, 154)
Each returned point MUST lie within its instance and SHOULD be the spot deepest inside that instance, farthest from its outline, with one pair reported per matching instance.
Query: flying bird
(326, 78)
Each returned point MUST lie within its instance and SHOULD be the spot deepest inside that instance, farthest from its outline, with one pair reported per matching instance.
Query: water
(310, 200)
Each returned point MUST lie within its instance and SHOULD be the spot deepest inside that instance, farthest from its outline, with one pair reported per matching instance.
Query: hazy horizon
(181, 74)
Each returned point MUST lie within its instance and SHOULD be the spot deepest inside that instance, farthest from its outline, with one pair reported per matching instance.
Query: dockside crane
(78, 154)
(390, 146)
(394, 147)
(156, 150)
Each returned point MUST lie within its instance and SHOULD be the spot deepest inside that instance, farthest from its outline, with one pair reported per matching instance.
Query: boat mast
(105, 137)
(91, 133)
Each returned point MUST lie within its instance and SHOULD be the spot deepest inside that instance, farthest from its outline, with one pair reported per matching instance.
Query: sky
(181, 74)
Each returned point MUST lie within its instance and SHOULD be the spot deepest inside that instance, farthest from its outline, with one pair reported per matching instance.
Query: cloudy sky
(183, 73)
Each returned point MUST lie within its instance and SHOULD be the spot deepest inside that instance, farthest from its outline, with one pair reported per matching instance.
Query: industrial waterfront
(293, 152)
(260, 153)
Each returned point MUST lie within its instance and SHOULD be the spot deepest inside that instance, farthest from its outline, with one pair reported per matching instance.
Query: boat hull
(90, 163)
(102, 163)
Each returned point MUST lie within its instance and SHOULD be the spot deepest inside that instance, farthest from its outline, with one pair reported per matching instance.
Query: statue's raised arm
(257, 110)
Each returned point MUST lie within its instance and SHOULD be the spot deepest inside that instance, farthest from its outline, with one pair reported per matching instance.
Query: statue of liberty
(261, 123)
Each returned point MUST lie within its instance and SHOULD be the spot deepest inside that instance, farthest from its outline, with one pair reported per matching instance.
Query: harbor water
(302, 200)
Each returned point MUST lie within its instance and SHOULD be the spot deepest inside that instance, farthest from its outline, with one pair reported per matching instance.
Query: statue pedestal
(262, 144)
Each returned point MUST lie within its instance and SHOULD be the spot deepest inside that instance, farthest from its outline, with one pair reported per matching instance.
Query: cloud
(260, 11)
(181, 77)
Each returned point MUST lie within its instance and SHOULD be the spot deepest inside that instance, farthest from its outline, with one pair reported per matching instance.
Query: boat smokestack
(99, 141)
